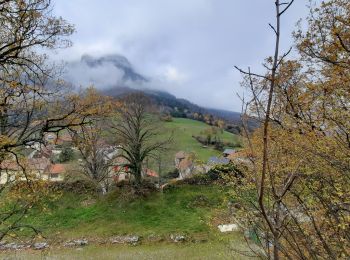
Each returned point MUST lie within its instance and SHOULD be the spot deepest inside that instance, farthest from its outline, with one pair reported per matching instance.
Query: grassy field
(183, 129)
(189, 210)
(185, 209)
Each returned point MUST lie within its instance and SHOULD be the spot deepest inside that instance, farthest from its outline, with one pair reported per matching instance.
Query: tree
(32, 102)
(27, 26)
(299, 162)
(137, 130)
(271, 216)
(66, 155)
(97, 159)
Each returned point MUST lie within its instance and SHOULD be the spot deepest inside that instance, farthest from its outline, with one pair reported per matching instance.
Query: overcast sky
(187, 47)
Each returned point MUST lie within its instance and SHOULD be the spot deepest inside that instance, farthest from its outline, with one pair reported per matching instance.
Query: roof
(151, 173)
(216, 160)
(40, 164)
(10, 165)
(185, 164)
(57, 168)
(120, 160)
(229, 151)
(180, 155)
(240, 154)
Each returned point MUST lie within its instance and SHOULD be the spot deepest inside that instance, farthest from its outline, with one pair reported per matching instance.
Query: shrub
(172, 174)
(221, 172)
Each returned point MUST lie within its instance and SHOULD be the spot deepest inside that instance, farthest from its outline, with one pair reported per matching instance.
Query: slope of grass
(179, 210)
(174, 211)
(183, 129)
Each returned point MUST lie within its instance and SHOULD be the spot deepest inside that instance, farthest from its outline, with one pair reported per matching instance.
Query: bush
(66, 155)
(172, 174)
(78, 186)
(197, 179)
(224, 172)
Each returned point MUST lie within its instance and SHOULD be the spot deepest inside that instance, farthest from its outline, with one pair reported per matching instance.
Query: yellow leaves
(6, 141)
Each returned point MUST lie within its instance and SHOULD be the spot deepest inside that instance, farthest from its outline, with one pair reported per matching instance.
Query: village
(44, 162)
(174, 129)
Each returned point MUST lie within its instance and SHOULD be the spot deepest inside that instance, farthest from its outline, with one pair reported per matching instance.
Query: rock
(13, 246)
(78, 242)
(40, 246)
(133, 240)
(228, 228)
(177, 238)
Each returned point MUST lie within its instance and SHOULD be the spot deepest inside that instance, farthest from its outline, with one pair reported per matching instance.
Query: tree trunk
(138, 176)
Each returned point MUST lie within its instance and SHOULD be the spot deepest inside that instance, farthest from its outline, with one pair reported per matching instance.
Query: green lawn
(183, 129)
(174, 211)
(187, 210)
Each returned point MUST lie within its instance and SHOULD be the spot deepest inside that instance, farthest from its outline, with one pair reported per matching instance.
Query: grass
(174, 211)
(187, 209)
(183, 129)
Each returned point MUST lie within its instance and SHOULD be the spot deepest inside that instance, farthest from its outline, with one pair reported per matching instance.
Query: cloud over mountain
(103, 72)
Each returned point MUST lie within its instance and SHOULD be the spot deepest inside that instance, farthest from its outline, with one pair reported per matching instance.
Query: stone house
(35, 168)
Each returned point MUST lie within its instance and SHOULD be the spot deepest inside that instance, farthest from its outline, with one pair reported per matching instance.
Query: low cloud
(105, 76)
(188, 48)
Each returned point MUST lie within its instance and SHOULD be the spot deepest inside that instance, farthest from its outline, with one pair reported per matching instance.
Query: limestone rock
(228, 228)
(40, 246)
(133, 240)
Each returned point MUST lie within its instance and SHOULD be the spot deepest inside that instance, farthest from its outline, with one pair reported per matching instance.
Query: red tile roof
(57, 168)
(151, 173)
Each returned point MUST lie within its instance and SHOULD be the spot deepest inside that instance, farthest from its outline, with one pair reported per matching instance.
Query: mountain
(176, 106)
(114, 75)
(118, 61)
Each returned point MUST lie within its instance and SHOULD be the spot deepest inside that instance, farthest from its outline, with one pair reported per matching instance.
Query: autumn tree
(269, 233)
(97, 157)
(299, 158)
(137, 130)
(32, 102)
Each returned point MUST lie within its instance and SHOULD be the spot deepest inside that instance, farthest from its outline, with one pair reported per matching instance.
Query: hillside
(178, 107)
(193, 211)
(183, 130)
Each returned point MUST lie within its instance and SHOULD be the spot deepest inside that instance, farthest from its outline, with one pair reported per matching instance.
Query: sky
(186, 47)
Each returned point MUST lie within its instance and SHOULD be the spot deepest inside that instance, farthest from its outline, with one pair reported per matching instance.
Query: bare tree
(138, 131)
(97, 157)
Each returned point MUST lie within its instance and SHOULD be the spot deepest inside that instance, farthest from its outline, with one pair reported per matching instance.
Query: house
(39, 166)
(179, 156)
(186, 165)
(44, 152)
(228, 152)
(9, 171)
(120, 170)
(151, 173)
(34, 168)
(62, 138)
(241, 157)
(56, 172)
(218, 161)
